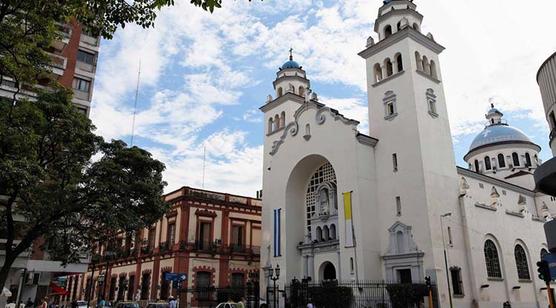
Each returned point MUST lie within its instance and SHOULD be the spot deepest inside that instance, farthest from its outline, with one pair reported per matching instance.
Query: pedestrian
(310, 304)
(44, 303)
(29, 303)
(172, 303)
(101, 303)
(74, 304)
(138, 295)
(241, 303)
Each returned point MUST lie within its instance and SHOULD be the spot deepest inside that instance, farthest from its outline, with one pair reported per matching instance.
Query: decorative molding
(517, 214)
(366, 140)
(486, 207)
(420, 72)
(494, 181)
(394, 76)
(206, 213)
(399, 36)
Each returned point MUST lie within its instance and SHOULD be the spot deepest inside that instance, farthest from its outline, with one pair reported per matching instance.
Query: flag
(350, 242)
(277, 232)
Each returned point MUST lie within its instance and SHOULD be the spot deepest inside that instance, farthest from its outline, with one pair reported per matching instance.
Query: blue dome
(290, 64)
(496, 133)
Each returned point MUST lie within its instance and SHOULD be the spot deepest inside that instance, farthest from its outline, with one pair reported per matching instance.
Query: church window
(319, 234)
(399, 62)
(301, 91)
(395, 162)
(400, 242)
(390, 109)
(389, 67)
(450, 242)
(351, 265)
(433, 70)
(544, 252)
(536, 159)
(283, 119)
(419, 61)
(457, 284)
(270, 125)
(325, 233)
(378, 72)
(515, 159)
(431, 102)
(399, 26)
(501, 161)
(387, 31)
(477, 166)
(416, 26)
(332, 231)
(324, 206)
(487, 163)
(426, 65)
(398, 206)
(521, 263)
(323, 175)
(491, 260)
(280, 91)
(528, 160)
(276, 122)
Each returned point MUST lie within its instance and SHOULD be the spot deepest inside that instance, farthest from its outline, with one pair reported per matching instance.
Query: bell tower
(407, 112)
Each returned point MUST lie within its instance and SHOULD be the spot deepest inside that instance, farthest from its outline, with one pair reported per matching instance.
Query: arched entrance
(328, 271)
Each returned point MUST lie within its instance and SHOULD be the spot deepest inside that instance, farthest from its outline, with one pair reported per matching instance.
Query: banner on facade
(277, 230)
(348, 220)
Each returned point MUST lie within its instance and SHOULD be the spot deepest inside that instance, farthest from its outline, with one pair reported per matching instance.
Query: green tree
(67, 185)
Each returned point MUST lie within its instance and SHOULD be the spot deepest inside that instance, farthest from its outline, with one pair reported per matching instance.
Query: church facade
(391, 204)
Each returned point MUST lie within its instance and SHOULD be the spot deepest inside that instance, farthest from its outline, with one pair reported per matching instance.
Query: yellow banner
(347, 205)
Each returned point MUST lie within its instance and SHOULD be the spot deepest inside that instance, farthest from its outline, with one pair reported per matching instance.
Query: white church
(340, 204)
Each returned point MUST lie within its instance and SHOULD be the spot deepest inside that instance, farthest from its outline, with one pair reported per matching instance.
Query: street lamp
(446, 257)
(273, 277)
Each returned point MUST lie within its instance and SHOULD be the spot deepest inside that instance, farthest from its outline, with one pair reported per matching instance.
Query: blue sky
(204, 76)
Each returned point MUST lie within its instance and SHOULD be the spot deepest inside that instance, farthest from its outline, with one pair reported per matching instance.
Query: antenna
(204, 162)
(135, 104)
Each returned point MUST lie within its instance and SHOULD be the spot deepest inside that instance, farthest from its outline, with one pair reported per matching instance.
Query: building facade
(392, 205)
(74, 59)
(214, 238)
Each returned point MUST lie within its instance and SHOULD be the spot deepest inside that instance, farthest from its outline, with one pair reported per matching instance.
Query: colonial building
(391, 204)
(213, 238)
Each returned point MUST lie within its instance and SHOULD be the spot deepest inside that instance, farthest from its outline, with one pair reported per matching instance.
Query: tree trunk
(5, 270)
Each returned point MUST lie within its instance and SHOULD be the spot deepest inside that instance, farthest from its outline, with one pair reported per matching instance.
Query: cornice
(277, 101)
(397, 12)
(286, 78)
(408, 32)
(495, 181)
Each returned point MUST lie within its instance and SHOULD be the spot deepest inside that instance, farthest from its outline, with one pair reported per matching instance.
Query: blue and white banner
(277, 232)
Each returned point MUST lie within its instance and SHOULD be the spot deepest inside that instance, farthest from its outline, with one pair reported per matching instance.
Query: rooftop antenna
(135, 104)
(204, 163)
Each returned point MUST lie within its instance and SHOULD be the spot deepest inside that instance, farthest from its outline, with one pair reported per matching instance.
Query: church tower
(416, 173)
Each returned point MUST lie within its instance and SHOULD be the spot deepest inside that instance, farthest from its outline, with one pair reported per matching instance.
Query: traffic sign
(550, 258)
(175, 276)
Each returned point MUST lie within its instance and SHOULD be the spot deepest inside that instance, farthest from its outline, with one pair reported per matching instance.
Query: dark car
(158, 305)
(127, 305)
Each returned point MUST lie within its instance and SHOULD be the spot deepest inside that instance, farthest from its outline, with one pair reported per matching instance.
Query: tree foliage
(68, 185)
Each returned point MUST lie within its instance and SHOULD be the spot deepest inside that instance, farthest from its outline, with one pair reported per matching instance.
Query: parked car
(227, 305)
(127, 305)
(158, 305)
(81, 304)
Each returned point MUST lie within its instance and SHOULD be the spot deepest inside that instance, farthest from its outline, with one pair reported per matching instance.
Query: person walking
(172, 303)
(44, 303)
(241, 303)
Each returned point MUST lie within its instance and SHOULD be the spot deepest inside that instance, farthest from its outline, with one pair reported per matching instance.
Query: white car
(227, 305)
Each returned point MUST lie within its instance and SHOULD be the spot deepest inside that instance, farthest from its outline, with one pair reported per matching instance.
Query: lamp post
(446, 257)
(274, 274)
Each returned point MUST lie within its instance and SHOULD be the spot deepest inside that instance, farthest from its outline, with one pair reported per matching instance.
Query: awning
(57, 290)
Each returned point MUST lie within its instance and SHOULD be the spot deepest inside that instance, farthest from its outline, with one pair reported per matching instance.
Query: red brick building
(212, 237)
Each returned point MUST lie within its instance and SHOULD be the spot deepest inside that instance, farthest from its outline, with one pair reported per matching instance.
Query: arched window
(283, 119)
(426, 65)
(544, 252)
(515, 159)
(301, 91)
(433, 70)
(536, 159)
(477, 166)
(416, 26)
(491, 260)
(279, 91)
(528, 160)
(399, 62)
(270, 125)
(389, 67)
(378, 73)
(332, 231)
(323, 177)
(399, 25)
(400, 242)
(419, 61)
(387, 31)
(501, 161)
(319, 234)
(487, 163)
(521, 263)
(277, 122)
(325, 233)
